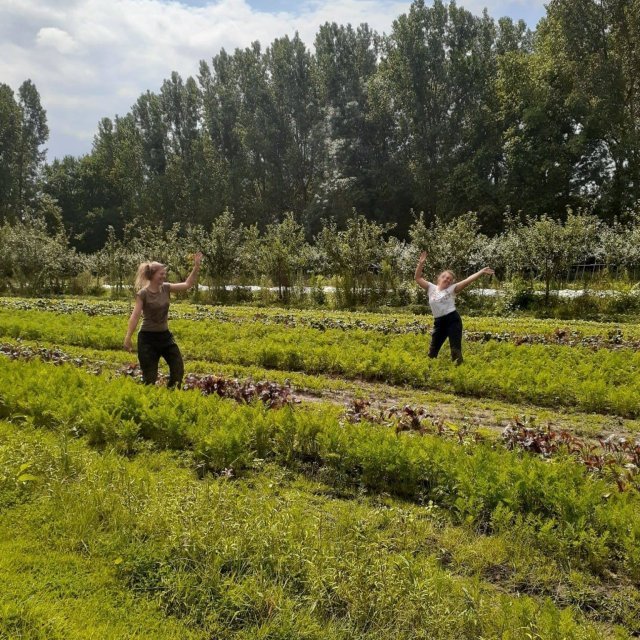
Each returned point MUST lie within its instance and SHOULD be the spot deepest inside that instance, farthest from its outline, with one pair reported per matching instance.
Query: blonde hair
(145, 272)
(453, 275)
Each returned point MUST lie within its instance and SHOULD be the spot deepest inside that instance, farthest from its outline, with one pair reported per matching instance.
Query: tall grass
(268, 556)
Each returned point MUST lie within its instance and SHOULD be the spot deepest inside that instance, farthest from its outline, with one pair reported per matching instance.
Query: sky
(93, 58)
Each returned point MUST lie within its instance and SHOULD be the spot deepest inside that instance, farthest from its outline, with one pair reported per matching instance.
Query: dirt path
(486, 414)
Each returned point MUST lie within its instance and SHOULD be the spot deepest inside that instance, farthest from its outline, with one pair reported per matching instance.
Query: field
(362, 491)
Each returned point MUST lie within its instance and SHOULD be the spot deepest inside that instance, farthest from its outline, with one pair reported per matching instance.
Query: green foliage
(455, 245)
(547, 374)
(282, 254)
(140, 547)
(251, 553)
(546, 248)
(516, 295)
(448, 112)
(173, 247)
(620, 242)
(116, 261)
(34, 259)
(436, 81)
(355, 255)
(472, 483)
(590, 51)
(10, 125)
(222, 248)
(23, 131)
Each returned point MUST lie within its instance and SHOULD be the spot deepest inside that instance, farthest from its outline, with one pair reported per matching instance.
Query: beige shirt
(155, 309)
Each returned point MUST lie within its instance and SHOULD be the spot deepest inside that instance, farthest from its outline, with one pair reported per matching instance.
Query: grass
(117, 547)
(134, 512)
(558, 506)
(57, 595)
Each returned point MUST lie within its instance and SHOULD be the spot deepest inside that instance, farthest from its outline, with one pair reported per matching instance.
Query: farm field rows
(207, 517)
(488, 416)
(596, 380)
(396, 322)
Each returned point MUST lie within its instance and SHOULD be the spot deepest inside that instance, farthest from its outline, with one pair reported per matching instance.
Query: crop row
(271, 394)
(272, 555)
(614, 338)
(604, 381)
(480, 413)
(616, 457)
(478, 329)
(564, 509)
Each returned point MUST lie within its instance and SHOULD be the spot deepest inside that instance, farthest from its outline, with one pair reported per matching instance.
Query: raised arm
(467, 281)
(418, 277)
(133, 323)
(193, 276)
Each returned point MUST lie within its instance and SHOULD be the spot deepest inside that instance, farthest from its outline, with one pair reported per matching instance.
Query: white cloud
(52, 37)
(92, 58)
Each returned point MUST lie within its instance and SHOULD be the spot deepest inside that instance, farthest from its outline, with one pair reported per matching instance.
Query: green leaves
(449, 112)
(221, 435)
(23, 475)
(456, 244)
(547, 248)
(550, 372)
(355, 254)
(26, 477)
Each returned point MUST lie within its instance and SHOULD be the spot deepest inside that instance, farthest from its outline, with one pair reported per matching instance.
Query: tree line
(365, 263)
(449, 112)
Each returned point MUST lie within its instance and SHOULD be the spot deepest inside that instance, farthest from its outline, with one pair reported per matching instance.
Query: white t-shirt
(442, 301)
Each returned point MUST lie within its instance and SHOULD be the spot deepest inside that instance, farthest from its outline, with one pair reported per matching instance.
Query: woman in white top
(442, 299)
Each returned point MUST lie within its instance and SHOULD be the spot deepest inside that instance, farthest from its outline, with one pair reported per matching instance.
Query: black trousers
(153, 345)
(449, 326)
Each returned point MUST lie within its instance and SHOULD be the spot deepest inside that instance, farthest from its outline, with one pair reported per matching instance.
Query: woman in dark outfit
(447, 321)
(155, 341)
